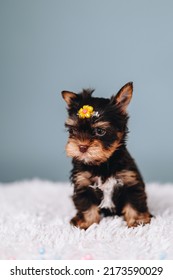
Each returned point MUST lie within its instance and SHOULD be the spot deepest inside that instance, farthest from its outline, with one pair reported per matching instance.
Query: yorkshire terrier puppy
(105, 177)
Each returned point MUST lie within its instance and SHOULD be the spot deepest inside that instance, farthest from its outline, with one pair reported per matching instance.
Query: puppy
(105, 177)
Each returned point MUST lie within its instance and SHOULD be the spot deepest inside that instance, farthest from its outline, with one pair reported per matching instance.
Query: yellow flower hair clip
(86, 112)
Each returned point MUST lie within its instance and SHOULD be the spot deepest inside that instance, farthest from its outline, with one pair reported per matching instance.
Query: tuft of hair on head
(123, 97)
(87, 93)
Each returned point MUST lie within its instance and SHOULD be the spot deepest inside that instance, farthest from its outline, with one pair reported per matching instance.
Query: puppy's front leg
(135, 210)
(86, 203)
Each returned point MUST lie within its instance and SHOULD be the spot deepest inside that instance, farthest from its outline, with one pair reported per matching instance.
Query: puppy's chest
(108, 187)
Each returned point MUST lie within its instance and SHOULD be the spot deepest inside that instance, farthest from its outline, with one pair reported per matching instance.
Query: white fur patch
(108, 189)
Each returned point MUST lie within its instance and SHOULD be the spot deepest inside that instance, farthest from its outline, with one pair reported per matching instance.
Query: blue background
(49, 46)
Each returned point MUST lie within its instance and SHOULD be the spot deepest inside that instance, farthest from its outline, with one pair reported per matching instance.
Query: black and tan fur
(97, 146)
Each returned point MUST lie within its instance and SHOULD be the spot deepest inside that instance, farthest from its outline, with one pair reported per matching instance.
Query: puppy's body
(105, 177)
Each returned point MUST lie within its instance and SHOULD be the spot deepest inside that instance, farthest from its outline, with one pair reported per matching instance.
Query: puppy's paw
(140, 219)
(135, 218)
(79, 222)
(85, 219)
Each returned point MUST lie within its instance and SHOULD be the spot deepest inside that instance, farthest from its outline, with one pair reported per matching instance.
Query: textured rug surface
(34, 224)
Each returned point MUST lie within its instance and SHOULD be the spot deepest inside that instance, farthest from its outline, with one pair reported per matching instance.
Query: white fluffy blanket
(34, 224)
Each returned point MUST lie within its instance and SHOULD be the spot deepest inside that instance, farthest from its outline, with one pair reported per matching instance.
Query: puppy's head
(97, 126)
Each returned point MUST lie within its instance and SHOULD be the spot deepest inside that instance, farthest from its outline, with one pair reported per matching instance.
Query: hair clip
(87, 111)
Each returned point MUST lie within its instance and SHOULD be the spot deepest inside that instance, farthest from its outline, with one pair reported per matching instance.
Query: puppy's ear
(123, 97)
(69, 96)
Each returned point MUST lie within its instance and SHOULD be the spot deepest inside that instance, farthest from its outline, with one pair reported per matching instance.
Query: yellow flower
(86, 112)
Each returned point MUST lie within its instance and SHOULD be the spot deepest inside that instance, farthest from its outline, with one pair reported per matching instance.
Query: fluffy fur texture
(105, 177)
(35, 214)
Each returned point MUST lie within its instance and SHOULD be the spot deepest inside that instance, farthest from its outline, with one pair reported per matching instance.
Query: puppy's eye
(99, 131)
(72, 130)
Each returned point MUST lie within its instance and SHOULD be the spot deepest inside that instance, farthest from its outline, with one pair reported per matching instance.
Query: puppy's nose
(83, 148)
